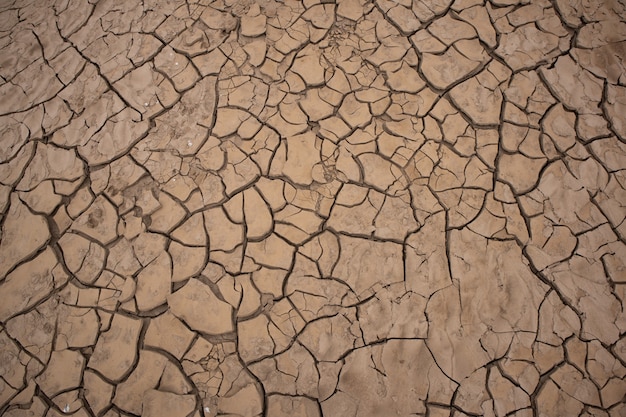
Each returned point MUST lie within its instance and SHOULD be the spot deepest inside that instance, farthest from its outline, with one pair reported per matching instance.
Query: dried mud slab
(314, 208)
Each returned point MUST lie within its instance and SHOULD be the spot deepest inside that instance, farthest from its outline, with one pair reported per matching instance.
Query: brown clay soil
(348, 208)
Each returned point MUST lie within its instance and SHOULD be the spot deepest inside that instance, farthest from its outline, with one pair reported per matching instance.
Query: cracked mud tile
(377, 377)
(42, 276)
(83, 258)
(365, 254)
(146, 90)
(21, 222)
(393, 314)
(144, 377)
(291, 373)
(480, 97)
(313, 208)
(190, 304)
(114, 356)
(444, 70)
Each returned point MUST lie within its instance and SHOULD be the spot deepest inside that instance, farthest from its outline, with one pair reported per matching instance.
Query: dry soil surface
(312, 208)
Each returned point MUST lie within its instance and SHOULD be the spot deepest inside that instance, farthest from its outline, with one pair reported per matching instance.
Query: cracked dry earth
(317, 208)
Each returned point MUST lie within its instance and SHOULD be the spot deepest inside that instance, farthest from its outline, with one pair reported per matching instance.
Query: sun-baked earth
(346, 208)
